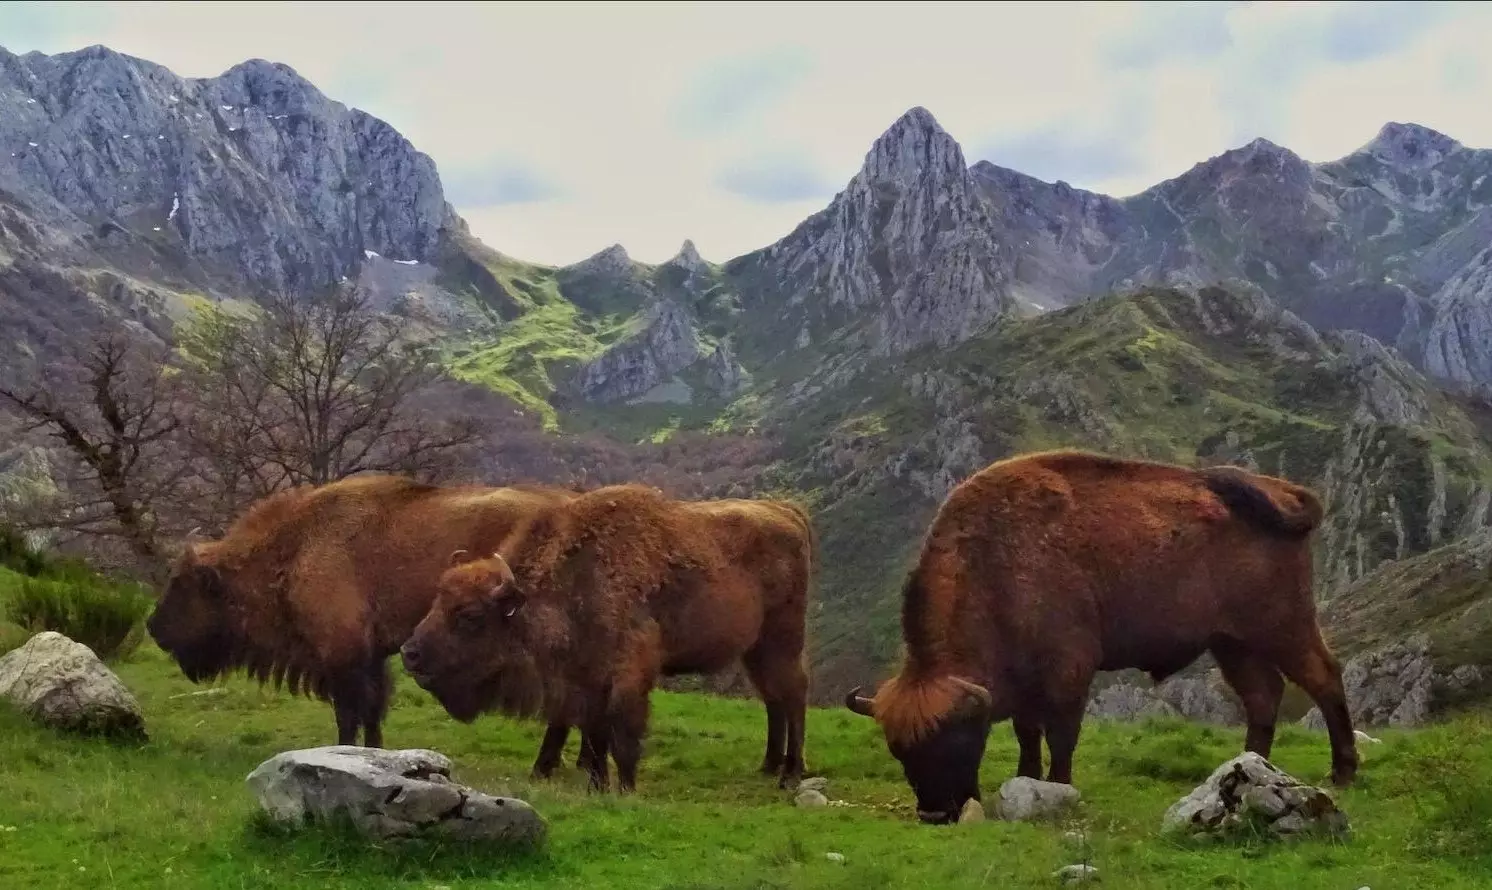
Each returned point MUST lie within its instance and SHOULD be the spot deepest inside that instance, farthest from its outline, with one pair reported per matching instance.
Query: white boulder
(388, 794)
(63, 684)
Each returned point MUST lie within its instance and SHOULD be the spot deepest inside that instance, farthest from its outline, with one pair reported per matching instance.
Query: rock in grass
(809, 798)
(1249, 795)
(973, 811)
(388, 794)
(1076, 874)
(63, 684)
(1023, 799)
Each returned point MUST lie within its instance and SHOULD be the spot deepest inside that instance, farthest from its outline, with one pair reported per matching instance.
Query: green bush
(16, 553)
(100, 615)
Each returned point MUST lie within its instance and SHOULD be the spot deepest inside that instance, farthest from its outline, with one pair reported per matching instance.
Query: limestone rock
(1392, 686)
(664, 344)
(64, 685)
(810, 798)
(1125, 701)
(908, 242)
(388, 793)
(814, 783)
(1076, 874)
(254, 174)
(1247, 794)
(1203, 699)
(973, 811)
(1024, 799)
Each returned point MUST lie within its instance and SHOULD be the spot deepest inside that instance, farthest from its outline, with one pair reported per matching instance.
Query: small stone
(1364, 737)
(1024, 799)
(1076, 874)
(834, 857)
(973, 811)
(815, 783)
(811, 798)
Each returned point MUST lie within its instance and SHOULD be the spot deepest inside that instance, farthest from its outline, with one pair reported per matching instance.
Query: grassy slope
(175, 813)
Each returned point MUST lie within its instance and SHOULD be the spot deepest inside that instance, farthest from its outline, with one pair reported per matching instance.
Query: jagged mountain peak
(688, 258)
(613, 260)
(1410, 145)
(913, 146)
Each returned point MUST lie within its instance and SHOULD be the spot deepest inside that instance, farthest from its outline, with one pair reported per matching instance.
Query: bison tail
(1248, 500)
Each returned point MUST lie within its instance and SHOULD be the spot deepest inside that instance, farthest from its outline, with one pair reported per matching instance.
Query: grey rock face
(1247, 794)
(62, 684)
(664, 344)
(388, 794)
(255, 175)
(1397, 685)
(908, 241)
(1203, 699)
(1127, 702)
(1024, 799)
(1458, 344)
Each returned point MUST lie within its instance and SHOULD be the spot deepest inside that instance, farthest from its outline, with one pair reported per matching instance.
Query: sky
(562, 128)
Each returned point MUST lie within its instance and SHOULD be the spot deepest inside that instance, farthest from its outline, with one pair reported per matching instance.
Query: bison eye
(468, 620)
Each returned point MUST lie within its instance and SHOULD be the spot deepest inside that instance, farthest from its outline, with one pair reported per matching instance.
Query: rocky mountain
(1326, 321)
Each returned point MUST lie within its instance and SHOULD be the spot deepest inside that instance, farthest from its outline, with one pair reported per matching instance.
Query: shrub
(96, 613)
(17, 554)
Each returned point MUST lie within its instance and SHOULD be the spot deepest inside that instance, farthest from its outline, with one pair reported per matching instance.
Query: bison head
(940, 760)
(474, 649)
(191, 622)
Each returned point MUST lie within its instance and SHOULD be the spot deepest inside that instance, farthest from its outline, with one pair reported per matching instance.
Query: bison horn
(858, 703)
(456, 556)
(980, 696)
(507, 570)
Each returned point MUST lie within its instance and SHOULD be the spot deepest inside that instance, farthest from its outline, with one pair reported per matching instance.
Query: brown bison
(1044, 568)
(583, 607)
(315, 587)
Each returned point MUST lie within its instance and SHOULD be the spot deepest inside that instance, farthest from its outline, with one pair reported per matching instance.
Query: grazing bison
(583, 607)
(314, 587)
(1044, 568)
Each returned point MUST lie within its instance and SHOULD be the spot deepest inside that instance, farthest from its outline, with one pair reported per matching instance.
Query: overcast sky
(560, 129)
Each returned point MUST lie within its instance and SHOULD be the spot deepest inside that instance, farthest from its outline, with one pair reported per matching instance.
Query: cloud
(725, 94)
(775, 178)
(497, 184)
(1368, 30)
(1171, 31)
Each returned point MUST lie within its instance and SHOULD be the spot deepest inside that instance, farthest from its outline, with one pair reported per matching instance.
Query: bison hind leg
(1259, 686)
(782, 683)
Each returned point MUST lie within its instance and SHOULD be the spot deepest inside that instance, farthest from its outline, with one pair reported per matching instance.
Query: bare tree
(114, 409)
(316, 390)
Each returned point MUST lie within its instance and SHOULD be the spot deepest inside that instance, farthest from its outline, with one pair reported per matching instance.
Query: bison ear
(976, 702)
(458, 557)
(859, 703)
(208, 579)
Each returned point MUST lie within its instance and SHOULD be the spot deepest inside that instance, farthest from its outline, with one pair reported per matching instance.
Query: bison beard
(313, 588)
(1042, 569)
(602, 595)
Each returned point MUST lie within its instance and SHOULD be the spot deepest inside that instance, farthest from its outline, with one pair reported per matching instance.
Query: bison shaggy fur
(316, 586)
(1044, 568)
(584, 607)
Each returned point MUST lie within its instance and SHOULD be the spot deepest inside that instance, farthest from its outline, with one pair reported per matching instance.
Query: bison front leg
(1028, 737)
(550, 749)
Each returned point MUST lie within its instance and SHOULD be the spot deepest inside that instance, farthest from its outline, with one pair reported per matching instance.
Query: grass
(174, 812)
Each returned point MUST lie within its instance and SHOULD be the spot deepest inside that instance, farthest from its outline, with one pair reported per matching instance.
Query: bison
(583, 607)
(316, 586)
(1044, 568)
